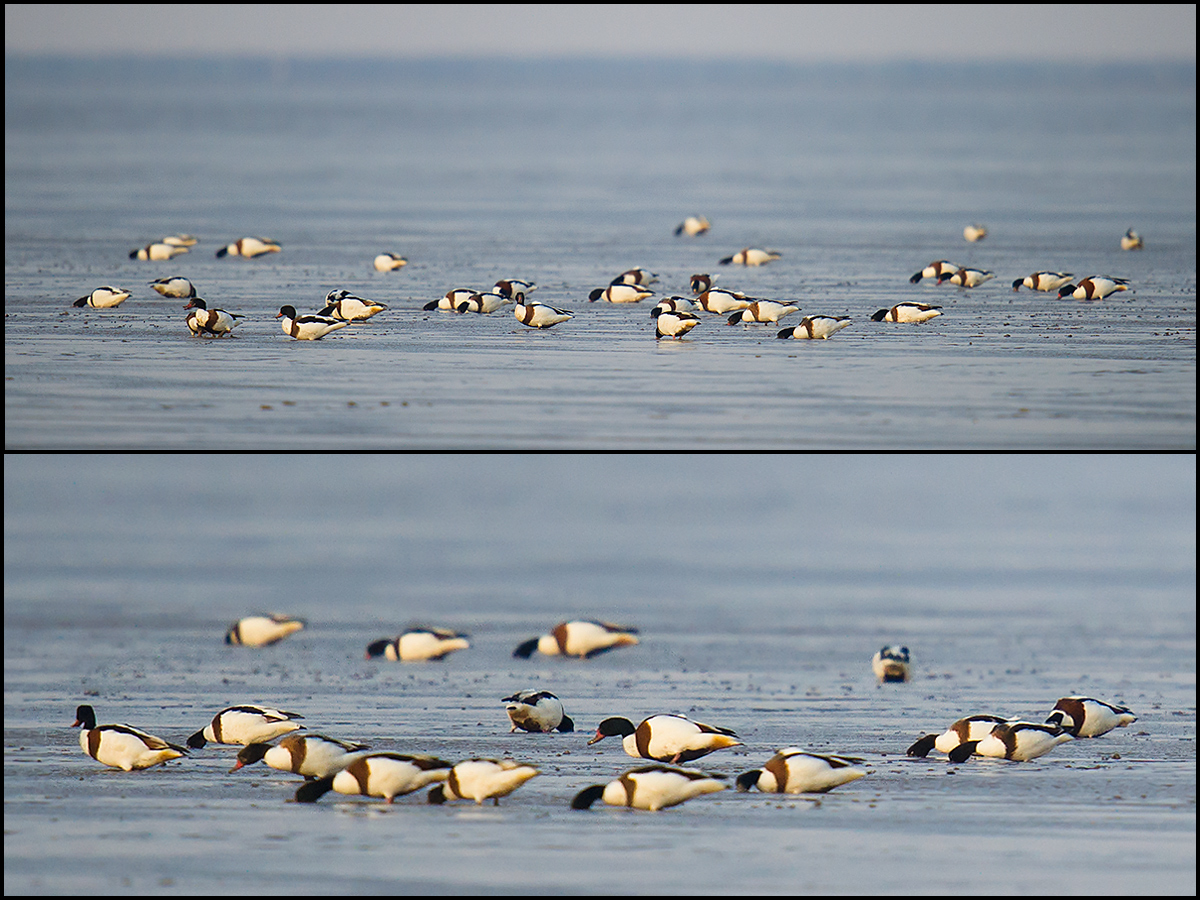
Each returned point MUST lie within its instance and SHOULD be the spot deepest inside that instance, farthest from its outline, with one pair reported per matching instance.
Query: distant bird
(389, 262)
(715, 300)
(538, 315)
(345, 306)
(1131, 240)
(249, 247)
(510, 287)
(103, 298)
(122, 746)
(1084, 717)
(673, 324)
(579, 637)
(762, 311)
(794, 771)
(307, 327)
(177, 286)
(1094, 287)
(310, 755)
(935, 270)
(635, 276)
(383, 774)
(157, 251)
(451, 299)
(816, 328)
(701, 283)
(418, 645)
(667, 737)
(180, 240)
(673, 304)
(968, 278)
(537, 711)
(1043, 281)
(619, 292)
(1018, 741)
(890, 663)
(484, 302)
(692, 226)
(481, 779)
(751, 256)
(245, 724)
(261, 630)
(975, 233)
(969, 728)
(907, 312)
(203, 321)
(650, 788)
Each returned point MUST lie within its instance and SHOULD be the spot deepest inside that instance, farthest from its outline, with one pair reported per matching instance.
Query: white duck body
(1094, 287)
(484, 302)
(692, 226)
(389, 262)
(891, 663)
(968, 728)
(385, 774)
(103, 298)
(1086, 717)
(177, 286)
(122, 746)
(481, 779)
(209, 322)
(1131, 240)
(620, 292)
(636, 276)
(158, 251)
(538, 315)
(249, 247)
(674, 324)
(651, 788)
(1018, 741)
(510, 287)
(716, 300)
(816, 328)
(310, 755)
(967, 278)
(751, 256)
(246, 724)
(763, 311)
(975, 233)
(307, 328)
(344, 305)
(667, 737)
(419, 645)
(795, 771)
(907, 312)
(1043, 281)
(580, 638)
(259, 631)
(539, 711)
(674, 304)
(451, 299)
(935, 270)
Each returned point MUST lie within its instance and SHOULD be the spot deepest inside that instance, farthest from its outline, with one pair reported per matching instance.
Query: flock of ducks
(674, 317)
(668, 741)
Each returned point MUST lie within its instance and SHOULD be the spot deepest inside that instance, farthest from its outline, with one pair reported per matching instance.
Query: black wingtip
(196, 741)
(589, 795)
(922, 746)
(525, 650)
(747, 780)
(963, 751)
(567, 724)
(312, 791)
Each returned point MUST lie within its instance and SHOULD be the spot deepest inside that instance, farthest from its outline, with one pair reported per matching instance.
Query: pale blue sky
(960, 33)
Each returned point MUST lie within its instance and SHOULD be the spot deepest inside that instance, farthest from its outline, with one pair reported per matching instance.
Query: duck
(667, 737)
(763, 311)
(975, 233)
(537, 711)
(310, 755)
(307, 327)
(935, 270)
(103, 298)
(381, 774)
(180, 240)
(968, 278)
(1043, 281)
(122, 746)
(702, 282)
(751, 256)
(482, 779)
(619, 292)
(176, 286)
(635, 276)
(1086, 717)
(451, 299)
(249, 247)
(673, 304)
(692, 226)
(486, 302)
(890, 663)
(968, 728)
(1131, 240)
(579, 637)
(816, 328)
(674, 324)
(263, 629)
(157, 251)
(1094, 287)
(715, 300)
(651, 788)
(211, 322)
(795, 771)
(509, 287)
(538, 315)
(245, 724)
(347, 307)
(418, 644)
(389, 262)
(907, 312)
(1018, 741)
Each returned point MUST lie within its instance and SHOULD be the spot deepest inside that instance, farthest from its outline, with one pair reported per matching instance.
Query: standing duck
(419, 644)
(537, 711)
(673, 324)
(890, 664)
(211, 322)
(793, 771)
(763, 311)
(907, 312)
(1084, 717)
(935, 270)
(307, 328)
(1131, 240)
(1018, 741)
(816, 328)
(176, 286)
(538, 315)
(481, 779)
(692, 226)
(310, 755)
(1043, 281)
(261, 630)
(1094, 287)
(967, 278)
(969, 728)
(385, 774)
(122, 746)
(245, 724)
(620, 292)
(344, 305)
(579, 638)
(650, 788)
(667, 738)
(103, 298)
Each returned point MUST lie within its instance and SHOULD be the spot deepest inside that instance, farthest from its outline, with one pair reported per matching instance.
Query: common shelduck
(122, 746)
(202, 321)
(484, 302)
(510, 287)
(249, 247)
(261, 630)
(816, 328)
(619, 292)
(1131, 240)
(389, 262)
(651, 788)
(967, 278)
(907, 312)
(667, 738)
(703, 282)
(1018, 741)
(481, 779)
(345, 306)
(538, 315)
(177, 286)
(1043, 281)
(969, 728)
(310, 755)
(537, 711)
(975, 233)
(674, 324)
(763, 311)
(307, 327)
(157, 251)
(890, 663)
(450, 300)
(692, 226)
(935, 270)
(795, 771)
(418, 644)
(716, 300)
(181, 240)
(384, 774)
(103, 298)
(673, 304)
(1094, 287)
(1085, 717)
(580, 637)
(751, 256)
(245, 724)
(635, 276)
